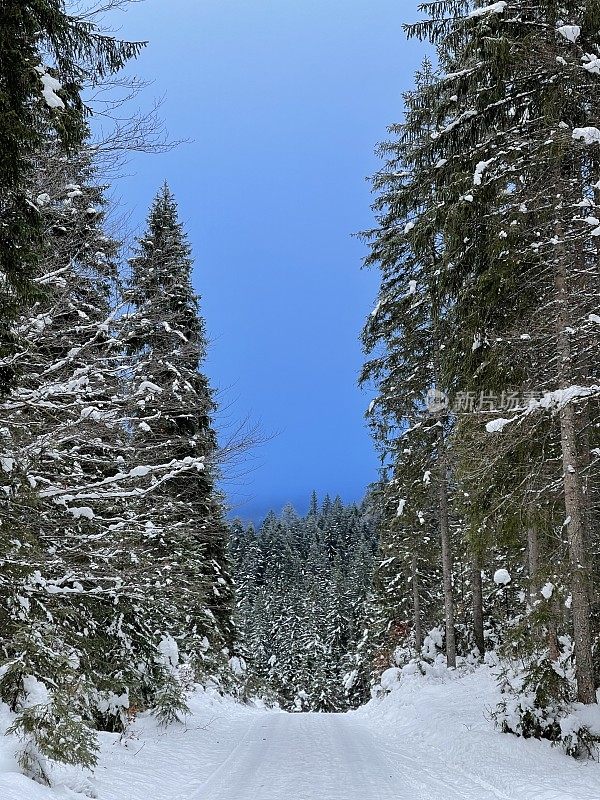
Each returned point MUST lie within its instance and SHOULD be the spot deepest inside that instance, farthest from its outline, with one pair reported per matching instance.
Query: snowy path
(340, 757)
(430, 739)
(303, 757)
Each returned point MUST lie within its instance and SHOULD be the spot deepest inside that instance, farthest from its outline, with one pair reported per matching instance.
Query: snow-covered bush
(170, 703)
(433, 644)
(404, 652)
(53, 717)
(53, 730)
(301, 701)
(390, 679)
(186, 676)
(237, 679)
(538, 701)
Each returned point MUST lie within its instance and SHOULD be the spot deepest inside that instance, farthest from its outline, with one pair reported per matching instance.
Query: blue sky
(284, 102)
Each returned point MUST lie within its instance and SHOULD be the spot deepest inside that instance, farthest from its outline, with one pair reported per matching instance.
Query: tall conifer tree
(46, 57)
(517, 120)
(172, 410)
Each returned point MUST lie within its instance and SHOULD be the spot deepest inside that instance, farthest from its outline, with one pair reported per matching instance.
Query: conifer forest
(435, 637)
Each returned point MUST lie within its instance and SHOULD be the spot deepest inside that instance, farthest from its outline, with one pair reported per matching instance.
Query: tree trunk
(416, 606)
(574, 499)
(478, 605)
(533, 561)
(574, 506)
(446, 549)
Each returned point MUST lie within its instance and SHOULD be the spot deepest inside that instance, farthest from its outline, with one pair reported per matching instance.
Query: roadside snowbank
(146, 763)
(443, 721)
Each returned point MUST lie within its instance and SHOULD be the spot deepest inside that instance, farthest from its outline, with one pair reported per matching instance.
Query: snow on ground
(428, 738)
(149, 762)
(155, 763)
(437, 732)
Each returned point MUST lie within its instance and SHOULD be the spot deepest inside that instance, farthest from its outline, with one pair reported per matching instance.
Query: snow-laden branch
(550, 401)
(167, 471)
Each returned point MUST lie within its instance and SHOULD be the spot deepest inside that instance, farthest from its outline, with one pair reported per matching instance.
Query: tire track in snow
(303, 757)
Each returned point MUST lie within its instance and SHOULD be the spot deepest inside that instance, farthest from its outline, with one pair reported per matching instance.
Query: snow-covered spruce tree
(46, 55)
(171, 420)
(407, 599)
(526, 102)
(405, 336)
(78, 650)
(245, 555)
(50, 443)
(487, 303)
(517, 156)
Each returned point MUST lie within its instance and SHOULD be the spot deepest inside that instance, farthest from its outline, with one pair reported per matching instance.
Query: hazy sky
(284, 102)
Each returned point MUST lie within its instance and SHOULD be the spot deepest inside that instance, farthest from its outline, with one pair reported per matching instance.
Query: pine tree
(407, 331)
(523, 109)
(71, 543)
(46, 57)
(171, 414)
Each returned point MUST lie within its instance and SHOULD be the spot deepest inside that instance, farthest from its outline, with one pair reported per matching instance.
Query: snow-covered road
(304, 757)
(342, 757)
(431, 738)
